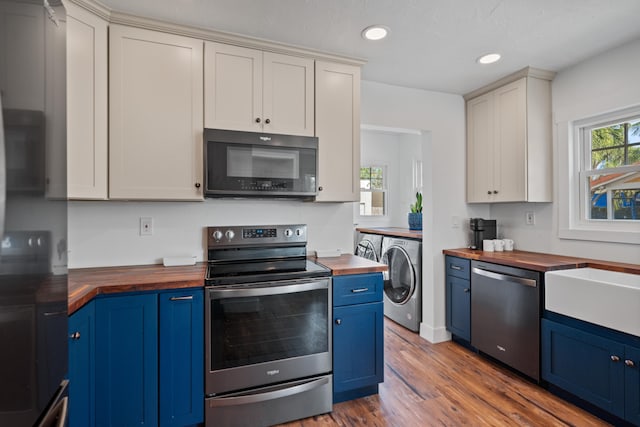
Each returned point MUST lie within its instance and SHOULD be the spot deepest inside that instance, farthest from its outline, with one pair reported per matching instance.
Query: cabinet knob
(495, 191)
(489, 192)
(75, 336)
(267, 121)
(629, 363)
(338, 321)
(615, 358)
(466, 290)
(258, 120)
(197, 185)
(320, 188)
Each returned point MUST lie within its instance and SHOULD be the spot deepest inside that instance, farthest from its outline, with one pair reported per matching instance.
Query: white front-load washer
(403, 281)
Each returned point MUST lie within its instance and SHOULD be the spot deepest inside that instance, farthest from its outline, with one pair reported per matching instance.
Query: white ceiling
(433, 43)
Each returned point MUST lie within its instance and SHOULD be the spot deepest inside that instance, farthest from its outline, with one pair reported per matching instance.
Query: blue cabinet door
(357, 346)
(181, 357)
(587, 365)
(81, 366)
(458, 299)
(632, 384)
(126, 360)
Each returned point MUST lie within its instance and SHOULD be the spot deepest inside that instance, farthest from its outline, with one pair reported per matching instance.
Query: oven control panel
(256, 235)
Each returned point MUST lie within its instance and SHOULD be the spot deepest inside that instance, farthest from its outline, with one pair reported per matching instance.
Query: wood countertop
(392, 232)
(86, 283)
(350, 264)
(539, 261)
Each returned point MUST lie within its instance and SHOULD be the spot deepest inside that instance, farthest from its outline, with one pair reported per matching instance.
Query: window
(599, 177)
(610, 172)
(373, 189)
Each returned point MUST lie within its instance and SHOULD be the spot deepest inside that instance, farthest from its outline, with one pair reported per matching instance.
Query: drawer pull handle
(187, 298)
(357, 291)
(55, 313)
(629, 363)
(615, 358)
(456, 267)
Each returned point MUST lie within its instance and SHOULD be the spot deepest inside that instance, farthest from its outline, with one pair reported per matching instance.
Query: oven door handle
(256, 291)
(269, 395)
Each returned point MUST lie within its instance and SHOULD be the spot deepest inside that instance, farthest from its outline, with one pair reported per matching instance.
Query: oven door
(265, 333)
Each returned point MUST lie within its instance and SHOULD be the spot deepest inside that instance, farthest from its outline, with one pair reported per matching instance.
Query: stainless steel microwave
(249, 164)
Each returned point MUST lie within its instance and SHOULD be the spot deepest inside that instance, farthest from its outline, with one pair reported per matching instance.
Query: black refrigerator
(33, 214)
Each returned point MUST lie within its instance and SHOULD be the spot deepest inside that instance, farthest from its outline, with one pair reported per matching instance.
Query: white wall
(441, 118)
(107, 233)
(605, 83)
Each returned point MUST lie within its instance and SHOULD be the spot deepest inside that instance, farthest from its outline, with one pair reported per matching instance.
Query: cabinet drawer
(357, 289)
(458, 267)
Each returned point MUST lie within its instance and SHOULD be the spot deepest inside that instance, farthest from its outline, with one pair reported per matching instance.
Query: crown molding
(122, 18)
(536, 73)
(93, 6)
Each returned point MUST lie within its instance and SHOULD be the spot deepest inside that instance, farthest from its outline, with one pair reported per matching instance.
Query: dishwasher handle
(505, 277)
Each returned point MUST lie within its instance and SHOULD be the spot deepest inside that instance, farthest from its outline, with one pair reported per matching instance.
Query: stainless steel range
(268, 327)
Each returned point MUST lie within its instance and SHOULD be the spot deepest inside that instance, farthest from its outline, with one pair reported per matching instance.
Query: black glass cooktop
(229, 273)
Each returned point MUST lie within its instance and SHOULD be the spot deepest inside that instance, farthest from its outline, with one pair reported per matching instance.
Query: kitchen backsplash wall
(107, 233)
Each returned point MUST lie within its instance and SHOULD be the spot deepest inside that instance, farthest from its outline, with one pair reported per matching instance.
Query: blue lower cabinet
(126, 360)
(181, 357)
(596, 368)
(81, 366)
(358, 350)
(632, 384)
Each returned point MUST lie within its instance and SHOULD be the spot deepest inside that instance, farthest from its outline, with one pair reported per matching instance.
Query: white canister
(498, 245)
(508, 244)
(487, 245)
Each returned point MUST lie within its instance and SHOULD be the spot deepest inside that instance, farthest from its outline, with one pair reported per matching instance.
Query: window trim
(572, 205)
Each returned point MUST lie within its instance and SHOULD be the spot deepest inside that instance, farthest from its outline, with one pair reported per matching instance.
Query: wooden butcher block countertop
(350, 264)
(392, 232)
(86, 283)
(541, 262)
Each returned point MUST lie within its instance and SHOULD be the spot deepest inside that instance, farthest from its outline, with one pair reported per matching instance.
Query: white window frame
(574, 153)
(385, 190)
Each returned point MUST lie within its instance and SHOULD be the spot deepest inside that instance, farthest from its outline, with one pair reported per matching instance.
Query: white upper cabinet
(509, 143)
(338, 131)
(87, 102)
(156, 116)
(22, 79)
(251, 90)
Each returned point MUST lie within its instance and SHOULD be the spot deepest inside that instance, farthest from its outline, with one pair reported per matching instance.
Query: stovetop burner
(240, 255)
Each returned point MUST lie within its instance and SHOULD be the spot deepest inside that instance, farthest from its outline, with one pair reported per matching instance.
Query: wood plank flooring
(447, 385)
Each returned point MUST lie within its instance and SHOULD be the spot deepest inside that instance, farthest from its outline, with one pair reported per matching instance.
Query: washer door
(365, 249)
(399, 280)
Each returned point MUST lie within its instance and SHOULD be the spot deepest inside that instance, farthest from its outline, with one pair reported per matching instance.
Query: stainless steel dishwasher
(505, 315)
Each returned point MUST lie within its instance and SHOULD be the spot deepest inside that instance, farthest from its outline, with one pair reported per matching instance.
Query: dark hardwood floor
(447, 385)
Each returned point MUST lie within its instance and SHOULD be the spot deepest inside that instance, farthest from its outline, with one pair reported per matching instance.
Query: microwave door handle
(3, 172)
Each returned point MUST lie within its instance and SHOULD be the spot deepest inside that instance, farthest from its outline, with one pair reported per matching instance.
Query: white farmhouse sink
(606, 298)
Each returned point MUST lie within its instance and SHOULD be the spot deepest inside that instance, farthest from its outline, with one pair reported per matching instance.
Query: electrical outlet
(146, 226)
(455, 221)
(530, 218)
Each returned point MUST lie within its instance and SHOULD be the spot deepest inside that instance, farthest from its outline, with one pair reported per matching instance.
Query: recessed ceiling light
(375, 32)
(489, 58)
